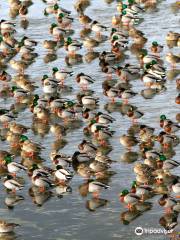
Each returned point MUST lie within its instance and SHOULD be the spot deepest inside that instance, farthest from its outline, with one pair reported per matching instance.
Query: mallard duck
(129, 198)
(41, 182)
(167, 202)
(29, 147)
(13, 167)
(167, 140)
(62, 74)
(143, 169)
(50, 44)
(28, 42)
(6, 227)
(172, 36)
(61, 159)
(89, 100)
(134, 114)
(90, 43)
(87, 147)
(19, 66)
(172, 59)
(156, 48)
(81, 5)
(104, 118)
(72, 45)
(11, 184)
(95, 187)
(4, 76)
(49, 86)
(64, 19)
(84, 80)
(62, 174)
(97, 27)
(141, 190)
(128, 141)
(84, 19)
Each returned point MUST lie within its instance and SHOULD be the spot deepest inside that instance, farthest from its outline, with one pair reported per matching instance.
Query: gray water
(68, 218)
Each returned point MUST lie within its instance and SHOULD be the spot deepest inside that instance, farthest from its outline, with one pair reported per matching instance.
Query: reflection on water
(71, 212)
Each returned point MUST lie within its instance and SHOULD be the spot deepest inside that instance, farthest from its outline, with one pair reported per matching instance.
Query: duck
(172, 59)
(64, 19)
(72, 45)
(134, 114)
(62, 174)
(42, 182)
(89, 100)
(84, 80)
(129, 198)
(61, 74)
(167, 202)
(6, 227)
(167, 140)
(49, 85)
(50, 44)
(19, 66)
(128, 141)
(97, 27)
(90, 43)
(172, 36)
(156, 48)
(95, 187)
(104, 118)
(5, 77)
(28, 42)
(12, 185)
(60, 159)
(13, 167)
(84, 19)
(141, 190)
(81, 5)
(87, 147)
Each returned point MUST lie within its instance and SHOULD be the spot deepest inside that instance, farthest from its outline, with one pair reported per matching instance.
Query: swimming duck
(97, 27)
(167, 202)
(11, 184)
(64, 20)
(90, 43)
(6, 227)
(84, 19)
(13, 167)
(19, 66)
(60, 159)
(87, 147)
(58, 130)
(141, 190)
(50, 44)
(81, 5)
(62, 174)
(156, 48)
(134, 114)
(172, 59)
(72, 45)
(62, 74)
(28, 42)
(172, 36)
(104, 118)
(4, 76)
(89, 100)
(84, 80)
(129, 198)
(95, 187)
(43, 183)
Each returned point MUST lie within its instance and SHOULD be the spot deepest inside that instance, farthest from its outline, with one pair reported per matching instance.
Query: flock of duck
(53, 112)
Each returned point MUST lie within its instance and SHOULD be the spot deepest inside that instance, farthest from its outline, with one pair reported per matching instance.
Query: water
(68, 218)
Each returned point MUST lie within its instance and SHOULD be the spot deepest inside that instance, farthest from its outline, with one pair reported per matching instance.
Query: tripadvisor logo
(138, 231)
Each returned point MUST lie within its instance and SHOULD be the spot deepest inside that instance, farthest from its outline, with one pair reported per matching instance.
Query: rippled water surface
(68, 217)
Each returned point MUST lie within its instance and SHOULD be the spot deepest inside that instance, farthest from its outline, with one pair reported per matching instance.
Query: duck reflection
(96, 203)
